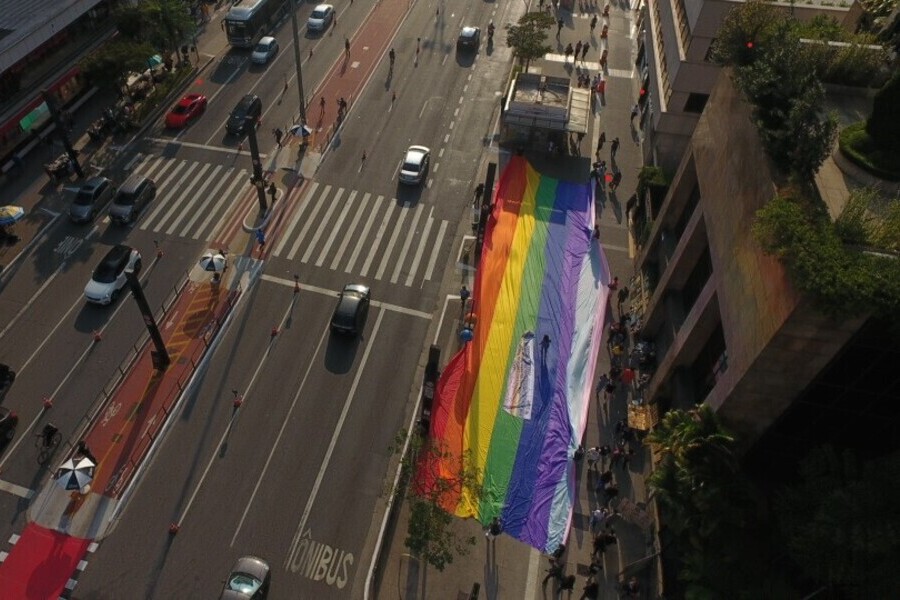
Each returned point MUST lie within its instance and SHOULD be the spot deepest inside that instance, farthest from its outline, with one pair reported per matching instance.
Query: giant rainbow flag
(514, 401)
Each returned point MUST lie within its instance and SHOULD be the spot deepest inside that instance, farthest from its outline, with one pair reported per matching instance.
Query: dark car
(8, 422)
(352, 308)
(249, 580)
(249, 106)
(469, 38)
(132, 197)
(92, 195)
(7, 376)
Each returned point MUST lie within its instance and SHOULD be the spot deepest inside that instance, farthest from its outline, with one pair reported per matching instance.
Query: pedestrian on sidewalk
(554, 572)
(322, 104)
(609, 390)
(261, 239)
(494, 529)
(577, 49)
(273, 191)
(347, 46)
(593, 455)
(85, 451)
(635, 111)
(616, 179)
(605, 451)
(614, 147)
(600, 142)
(593, 23)
(601, 384)
(559, 26)
(599, 545)
(591, 589)
(622, 297)
(598, 517)
(464, 295)
(569, 50)
(614, 284)
(278, 135)
(566, 584)
(584, 48)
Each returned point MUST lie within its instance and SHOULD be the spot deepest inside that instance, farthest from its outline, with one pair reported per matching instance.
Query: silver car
(91, 196)
(265, 49)
(133, 196)
(415, 165)
(320, 18)
(249, 580)
(110, 277)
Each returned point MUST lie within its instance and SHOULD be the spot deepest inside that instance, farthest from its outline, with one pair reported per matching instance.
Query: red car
(188, 108)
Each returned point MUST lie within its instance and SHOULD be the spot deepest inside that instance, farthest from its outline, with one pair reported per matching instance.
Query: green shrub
(856, 144)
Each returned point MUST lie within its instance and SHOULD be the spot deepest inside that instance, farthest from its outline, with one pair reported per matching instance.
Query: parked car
(188, 108)
(249, 106)
(415, 165)
(7, 377)
(349, 315)
(265, 49)
(469, 38)
(8, 422)
(133, 196)
(89, 198)
(109, 278)
(249, 580)
(321, 17)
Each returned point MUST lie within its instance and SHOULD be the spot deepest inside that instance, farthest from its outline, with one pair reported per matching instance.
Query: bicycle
(46, 444)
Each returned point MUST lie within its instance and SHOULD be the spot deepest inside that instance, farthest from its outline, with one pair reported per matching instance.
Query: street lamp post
(257, 179)
(297, 62)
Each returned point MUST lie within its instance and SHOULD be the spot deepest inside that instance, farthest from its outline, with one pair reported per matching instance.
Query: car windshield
(409, 165)
(262, 47)
(123, 199)
(244, 583)
(104, 273)
(84, 198)
(181, 109)
(319, 13)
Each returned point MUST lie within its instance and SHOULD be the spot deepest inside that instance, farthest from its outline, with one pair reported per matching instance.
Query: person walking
(273, 191)
(600, 142)
(261, 239)
(622, 297)
(494, 529)
(569, 50)
(347, 46)
(593, 24)
(559, 26)
(577, 49)
(591, 590)
(584, 48)
(614, 147)
(566, 584)
(601, 385)
(616, 179)
(554, 572)
(605, 451)
(391, 56)
(322, 104)
(278, 135)
(593, 455)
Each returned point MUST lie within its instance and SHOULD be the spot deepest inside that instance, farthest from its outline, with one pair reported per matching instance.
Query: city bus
(249, 20)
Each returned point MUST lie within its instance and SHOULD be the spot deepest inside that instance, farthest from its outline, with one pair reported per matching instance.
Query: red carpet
(40, 564)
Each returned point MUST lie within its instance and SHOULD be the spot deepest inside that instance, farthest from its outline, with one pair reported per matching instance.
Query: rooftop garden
(848, 266)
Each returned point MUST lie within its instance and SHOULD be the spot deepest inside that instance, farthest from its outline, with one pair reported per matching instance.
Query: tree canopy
(528, 37)
(107, 66)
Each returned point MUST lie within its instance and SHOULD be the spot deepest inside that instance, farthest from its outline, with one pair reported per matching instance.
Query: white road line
(360, 240)
(240, 177)
(348, 233)
(222, 149)
(208, 201)
(193, 205)
(16, 490)
(423, 241)
(185, 198)
(410, 234)
(435, 250)
(316, 207)
(284, 423)
(332, 293)
(336, 228)
(296, 218)
(393, 240)
(378, 235)
(333, 443)
(326, 219)
(161, 201)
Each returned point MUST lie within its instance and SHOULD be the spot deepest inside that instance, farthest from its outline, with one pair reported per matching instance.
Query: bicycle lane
(63, 526)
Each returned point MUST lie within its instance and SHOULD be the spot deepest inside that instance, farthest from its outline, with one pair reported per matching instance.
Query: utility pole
(160, 356)
(297, 62)
(63, 134)
(257, 178)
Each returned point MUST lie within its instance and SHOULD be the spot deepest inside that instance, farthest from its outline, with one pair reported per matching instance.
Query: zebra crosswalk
(363, 234)
(325, 226)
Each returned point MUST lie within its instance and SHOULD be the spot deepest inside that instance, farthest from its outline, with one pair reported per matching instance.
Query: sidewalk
(515, 570)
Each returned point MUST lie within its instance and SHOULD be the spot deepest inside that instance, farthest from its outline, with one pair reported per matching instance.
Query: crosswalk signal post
(258, 180)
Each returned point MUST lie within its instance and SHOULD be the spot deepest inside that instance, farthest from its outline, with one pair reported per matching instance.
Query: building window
(696, 103)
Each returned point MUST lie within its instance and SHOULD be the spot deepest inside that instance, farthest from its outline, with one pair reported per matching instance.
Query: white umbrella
(75, 473)
(301, 130)
(213, 262)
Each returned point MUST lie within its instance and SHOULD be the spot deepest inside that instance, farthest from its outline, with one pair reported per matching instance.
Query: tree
(840, 521)
(528, 38)
(430, 535)
(107, 67)
(168, 23)
(747, 31)
(130, 22)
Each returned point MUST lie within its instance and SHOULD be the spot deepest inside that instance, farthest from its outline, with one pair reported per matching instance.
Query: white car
(415, 165)
(264, 50)
(320, 18)
(109, 277)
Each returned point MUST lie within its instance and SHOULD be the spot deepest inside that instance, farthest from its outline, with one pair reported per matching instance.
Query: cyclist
(392, 56)
(47, 434)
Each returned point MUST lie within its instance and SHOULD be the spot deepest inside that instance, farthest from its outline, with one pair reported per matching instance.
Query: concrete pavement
(514, 570)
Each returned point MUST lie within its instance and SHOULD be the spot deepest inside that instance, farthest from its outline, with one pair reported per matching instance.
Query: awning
(579, 110)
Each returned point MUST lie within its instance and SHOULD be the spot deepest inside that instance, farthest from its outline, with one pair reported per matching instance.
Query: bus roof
(244, 9)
